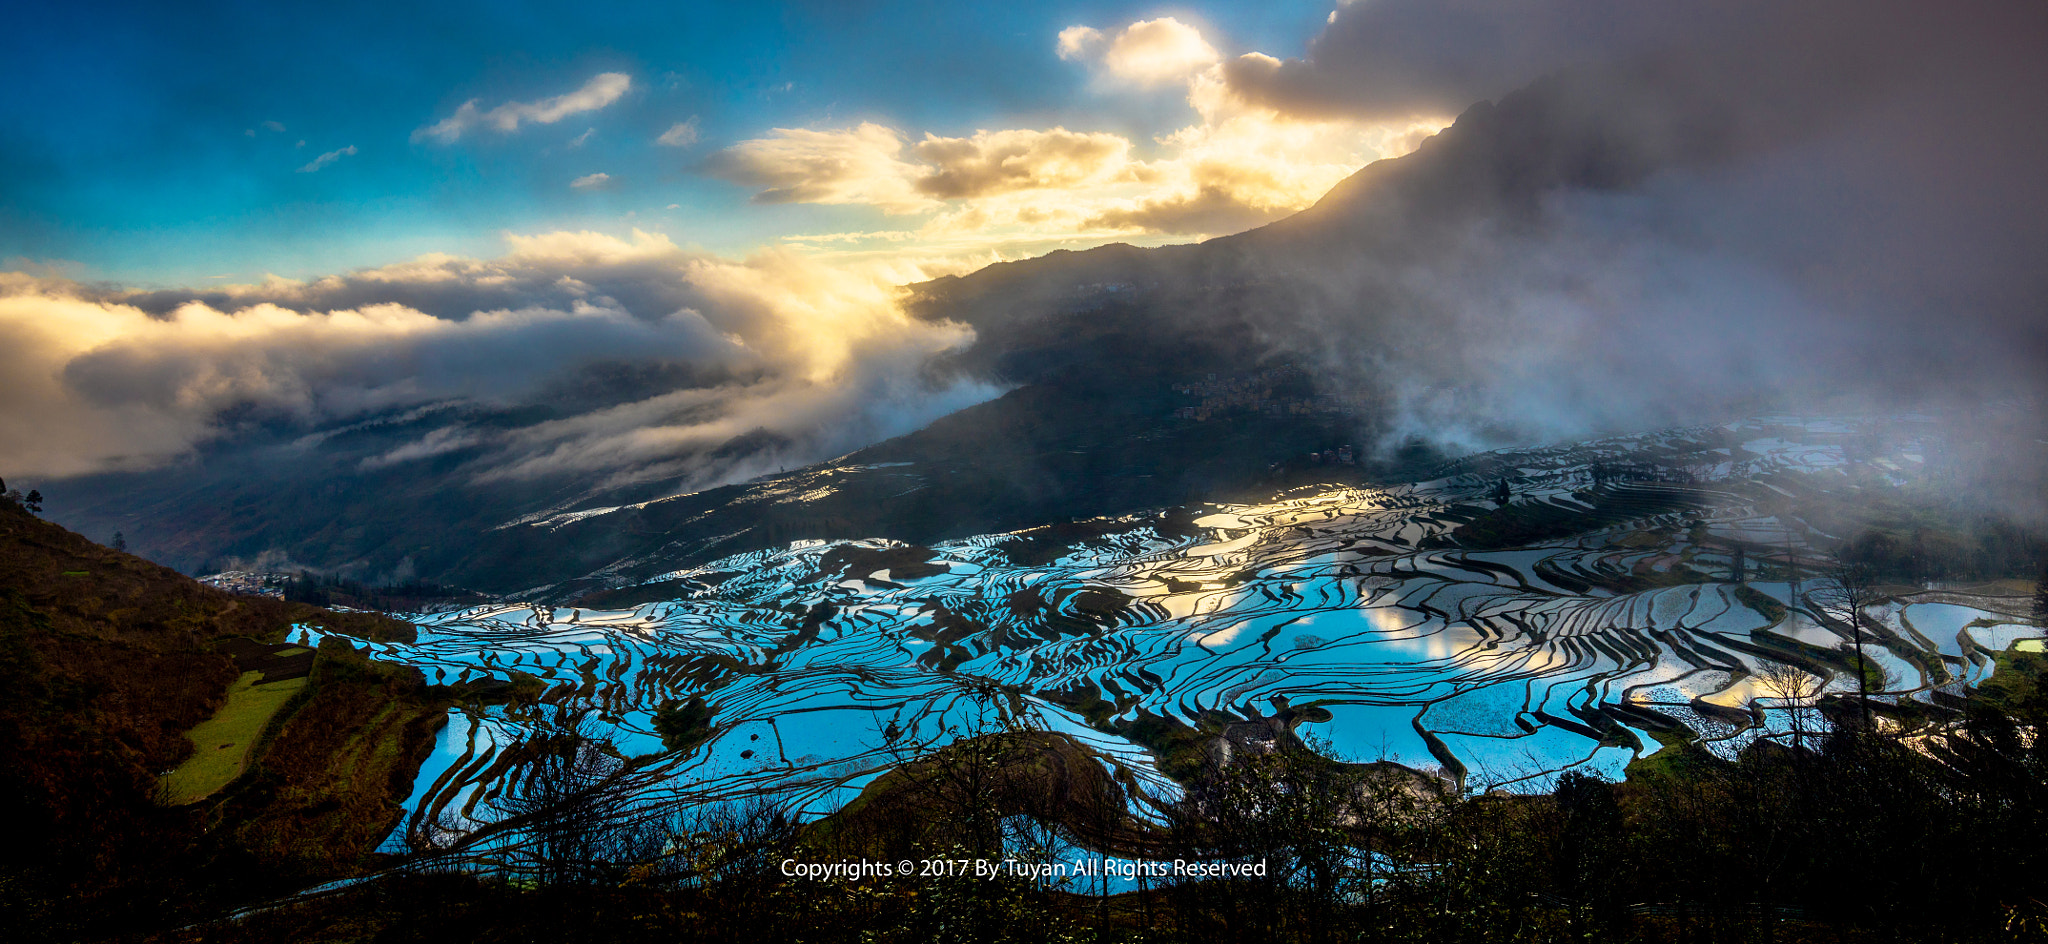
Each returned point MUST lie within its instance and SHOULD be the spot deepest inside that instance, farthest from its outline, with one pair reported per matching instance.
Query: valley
(1594, 617)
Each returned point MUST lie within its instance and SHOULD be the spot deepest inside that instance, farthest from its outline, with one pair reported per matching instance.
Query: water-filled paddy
(1365, 603)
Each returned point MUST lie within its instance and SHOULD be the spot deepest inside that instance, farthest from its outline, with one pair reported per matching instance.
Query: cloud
(1147, 52)
(1239, 165)
(822, 358)
(327, 158)
(1703, 211)
(602, 89)
(590, 181)
(1156, 51)
(1396, 58)
(992, 162)
(859, 165)
(273, 126)
(869, 165)
(682, 134)
(582, 139)
(1080, 42)
(1392, 59)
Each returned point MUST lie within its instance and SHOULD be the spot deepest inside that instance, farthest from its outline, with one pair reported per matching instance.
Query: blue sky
(159, 144)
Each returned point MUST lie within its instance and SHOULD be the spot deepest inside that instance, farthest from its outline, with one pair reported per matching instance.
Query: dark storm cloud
(1401, 57)
(1692, 208)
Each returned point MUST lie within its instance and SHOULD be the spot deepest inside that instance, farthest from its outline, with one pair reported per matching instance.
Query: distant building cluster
(1253, 393)
(247, 583)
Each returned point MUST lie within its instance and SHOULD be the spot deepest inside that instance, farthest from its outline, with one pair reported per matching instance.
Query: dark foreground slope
(106, 661)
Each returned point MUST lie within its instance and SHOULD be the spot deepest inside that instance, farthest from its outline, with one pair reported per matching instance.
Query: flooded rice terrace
(1426, 623)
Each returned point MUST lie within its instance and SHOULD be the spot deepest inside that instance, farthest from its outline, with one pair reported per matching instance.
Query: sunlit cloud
(602, 89)
(817, 359)
(327, 158)
(590, 181)
(1240, 164)
(993, 162)
(859, 165)
(1148, 52)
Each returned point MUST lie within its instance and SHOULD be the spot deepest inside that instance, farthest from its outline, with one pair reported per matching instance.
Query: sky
(163, 145)
(216, 212)
(280, 211)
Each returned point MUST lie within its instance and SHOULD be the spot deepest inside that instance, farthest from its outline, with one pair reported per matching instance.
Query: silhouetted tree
(33, 501)
(1849, 590)
(1797, 687)
(1302, 814)
(567, 804)
(1588, 849)
(120, 542)
(2041, 596)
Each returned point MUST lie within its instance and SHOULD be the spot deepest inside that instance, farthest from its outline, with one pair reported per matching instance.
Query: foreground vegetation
(1929, 826)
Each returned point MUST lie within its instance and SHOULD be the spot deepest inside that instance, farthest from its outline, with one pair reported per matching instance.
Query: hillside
(108, 661)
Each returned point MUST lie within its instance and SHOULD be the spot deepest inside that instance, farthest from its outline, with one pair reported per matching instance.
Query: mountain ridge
(1098, 346)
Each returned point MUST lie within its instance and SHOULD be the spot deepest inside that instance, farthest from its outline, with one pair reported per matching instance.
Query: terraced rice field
(1419, 623)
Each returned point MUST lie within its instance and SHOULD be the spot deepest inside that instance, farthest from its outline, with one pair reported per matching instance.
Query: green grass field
(224, 740)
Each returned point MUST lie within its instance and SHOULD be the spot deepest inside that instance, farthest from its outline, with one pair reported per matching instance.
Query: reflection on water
(1509, 665)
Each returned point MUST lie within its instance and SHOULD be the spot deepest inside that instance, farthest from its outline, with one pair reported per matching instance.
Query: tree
(1587, 849)
(1797, 688)
(2041, 596)
(1308, 817)
(120, 542)
(1850, 589)
(568, 804)
(33, 501)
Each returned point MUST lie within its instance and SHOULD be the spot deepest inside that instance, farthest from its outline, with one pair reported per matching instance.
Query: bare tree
(567, 804)
(1851, 588)
(1797, 688)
